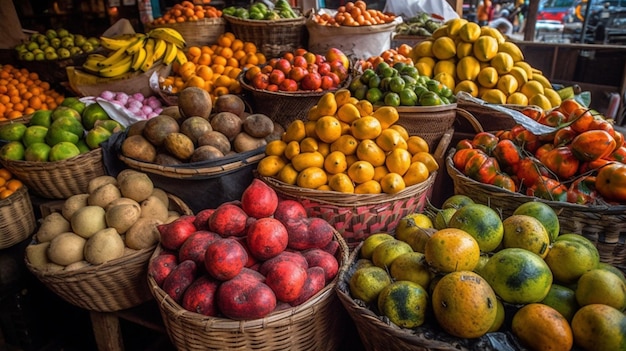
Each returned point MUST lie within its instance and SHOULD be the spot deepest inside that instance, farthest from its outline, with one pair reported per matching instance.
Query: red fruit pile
(301, 70)
(246, 259)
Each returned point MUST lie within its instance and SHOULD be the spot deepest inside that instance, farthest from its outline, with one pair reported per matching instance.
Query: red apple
(286, 280)
(293, 257)
(174, 234)
(321, 258)
(200, 296)
(288, 85)
(260, 81)
(324, 68)
(228, 220)
(272, 87)
(267, 238)
(297, 73)
(300, 61)
(195, 246)
(309, 57)
(259, 200)
(319, 59)
(277, 76)
(327, 83)
(311, 81)
(225, 258)
(300, 51)
(289, 209)
(315, 282)
(180, 279)
(284, 65)
(339, 69)
(161, 266)
(245, 297)
(336, 54)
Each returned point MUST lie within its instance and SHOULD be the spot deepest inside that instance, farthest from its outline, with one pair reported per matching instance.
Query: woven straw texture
(429, 122)
(271, 37)
(17, 218)
(603, 224)
(22, 119)
(112, 286)
(378, 333)
(60, 179)
(200, 32)
(312, 325)
(492, 119)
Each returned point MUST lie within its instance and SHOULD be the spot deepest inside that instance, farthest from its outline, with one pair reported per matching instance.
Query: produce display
(17, 101)
(422, 24)
(55, 44)
(137, 52)
(389, 56)
(348, 146)
(136, 104)
(117, 216)
(214, 68)
(69, 130)
(260, 11)
(480, 61)
(581, 162)
(353, 14)
(301, 70)
(246, 260)
(195, 130)
(439, 271)
(399, 85)
(186, 11)
(9, 185)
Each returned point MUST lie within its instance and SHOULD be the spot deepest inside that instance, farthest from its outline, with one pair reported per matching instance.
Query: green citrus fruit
(13, 150)
(480, 221)
(570, 257)
(600, 328)
(34, 134)
(411, 266)
(544, 213)
(41, 118)
(367, 282)
(601, 286)
(12, 131)
(37, 152)
(92, 113)
(562, 299)
(457, 201)
(404, 303)
(63, 151)
(526, 232)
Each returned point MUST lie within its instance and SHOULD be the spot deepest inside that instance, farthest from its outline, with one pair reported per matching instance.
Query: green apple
(51, 56)
(62, 33)
(51, 33)
(28, 56)
(79, 40)
(55, 43)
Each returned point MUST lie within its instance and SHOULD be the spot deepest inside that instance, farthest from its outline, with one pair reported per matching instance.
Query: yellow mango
(386, 115)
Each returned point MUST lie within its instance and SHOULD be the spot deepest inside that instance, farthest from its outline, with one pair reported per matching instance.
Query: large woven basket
(378, 333)
(112, 286)
(429, 122)
(198, 33)
(60, 179)
(17, 218)
(603, 224)
(271, 37)
(314, 325)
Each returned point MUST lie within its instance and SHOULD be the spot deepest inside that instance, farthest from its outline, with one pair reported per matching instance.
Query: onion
(107, 95)
(138, 96)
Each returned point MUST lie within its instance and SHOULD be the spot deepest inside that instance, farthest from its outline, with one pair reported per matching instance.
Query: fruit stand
(250, 178)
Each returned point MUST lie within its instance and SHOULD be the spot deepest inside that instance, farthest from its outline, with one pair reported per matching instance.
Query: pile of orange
(354, 14)
(215, 68)
(390, 56)
(8, 184)
(22, 93)
(187, 11)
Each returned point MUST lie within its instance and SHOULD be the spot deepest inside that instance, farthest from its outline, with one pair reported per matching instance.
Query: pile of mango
(481, 61)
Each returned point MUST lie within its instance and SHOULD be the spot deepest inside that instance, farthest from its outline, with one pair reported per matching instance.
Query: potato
(277, 133)
(125, 172)
(73, 203)
(103, 195)
(136, 186)
(103, 246)
(66, 248)
(161, 195)
(143, 234)
(258, 125)
(77, 265)
(97, 182)
(51, 226)
(88, 220)
(153, 207)
(53, 267)
(37, 255)
(205, 153)
(244, 142)
(121, 217)
(215, 139)
(122, 201)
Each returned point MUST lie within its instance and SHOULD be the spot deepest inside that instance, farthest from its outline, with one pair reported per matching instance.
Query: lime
(92, 113)
(361, 92)
(410, 71)
(367, 75)
(429, 98)
(56, 135)
(374, 82)
(562, 299)
(64, 111)
(396, 84)
(408, 97)
(392, 99)
(482, 222)
(374, 95)
(404, 303)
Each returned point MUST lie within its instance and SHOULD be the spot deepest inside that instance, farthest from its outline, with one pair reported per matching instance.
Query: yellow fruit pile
(348, 147)
(479, 60)
(214, 68)
(442, 266)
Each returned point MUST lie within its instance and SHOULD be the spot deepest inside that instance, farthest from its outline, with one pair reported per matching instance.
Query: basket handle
(470, 118)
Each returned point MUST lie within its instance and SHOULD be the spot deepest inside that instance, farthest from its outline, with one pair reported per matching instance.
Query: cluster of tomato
(581, 161)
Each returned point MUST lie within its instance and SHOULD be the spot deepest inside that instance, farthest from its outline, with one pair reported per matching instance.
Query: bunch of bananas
(137, 52)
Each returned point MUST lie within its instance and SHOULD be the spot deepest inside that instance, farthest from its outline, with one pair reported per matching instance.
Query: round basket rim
(265, 23)
(222, 323)
(48, 165)
(438, 108)
(455, 174)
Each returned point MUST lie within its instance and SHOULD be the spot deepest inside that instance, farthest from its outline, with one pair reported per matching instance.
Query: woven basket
(429, 122)
(22, 119)
(270, 37)
(198, 33)
(60, 179)
(604, 225)
(378, 333)
(17, 218)
(313, 325)
(112, 286)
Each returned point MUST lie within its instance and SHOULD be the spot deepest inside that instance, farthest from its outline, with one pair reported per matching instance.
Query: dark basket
(17, 218)
(429, 122)
(270, 37)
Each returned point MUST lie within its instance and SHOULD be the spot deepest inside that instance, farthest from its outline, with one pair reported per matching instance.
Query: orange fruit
(541, 327)
(361, 171)
(526, 232)
(368, 187)
(369, 151)
(450, 250)
(335, 162)
(599, 327)
(392, 183)
(341, 182)
(312, 177)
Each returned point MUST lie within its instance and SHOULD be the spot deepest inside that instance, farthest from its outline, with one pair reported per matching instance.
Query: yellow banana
(91, 63)
(113, 58)
(138, 59)
(181, 57)
(115, 43)
(119, 68)
(168, 34)
(159, 49)
(135, 45)
(149, 47)
(170, 53)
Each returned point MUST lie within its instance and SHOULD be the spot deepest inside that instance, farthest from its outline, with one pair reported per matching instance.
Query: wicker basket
(17, 218)
(378, 333)
(60, 179)
(313, 325)
(112, 286)
(198, 33)
(271, 37)
(604, 225)
(429, 122)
